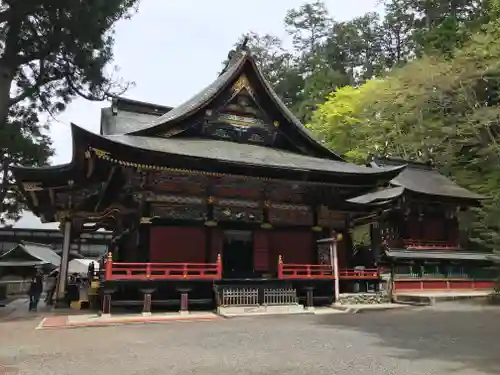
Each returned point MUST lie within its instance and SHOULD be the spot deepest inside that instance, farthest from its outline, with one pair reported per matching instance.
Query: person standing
(52, 286)
(35, 291)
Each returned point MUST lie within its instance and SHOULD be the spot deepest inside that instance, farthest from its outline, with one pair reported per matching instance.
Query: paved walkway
(48, 318)
(401, 342)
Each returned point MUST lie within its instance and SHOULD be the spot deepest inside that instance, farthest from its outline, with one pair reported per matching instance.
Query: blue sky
(173, 48)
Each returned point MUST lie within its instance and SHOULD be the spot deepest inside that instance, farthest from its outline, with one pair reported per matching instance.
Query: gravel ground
(441, 341)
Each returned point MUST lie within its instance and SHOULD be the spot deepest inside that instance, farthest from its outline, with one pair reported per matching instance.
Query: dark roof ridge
(389, 160)
(116, 100)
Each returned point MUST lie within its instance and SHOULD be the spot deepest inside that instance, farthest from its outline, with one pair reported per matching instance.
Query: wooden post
(280, 267)
(184, 300)
(309, 298)
(146, 305)
(106, 302)
(63, 267)
(335, 266)
(108, 275)
(219, 267)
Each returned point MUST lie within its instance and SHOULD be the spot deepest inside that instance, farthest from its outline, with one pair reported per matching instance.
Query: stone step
(233, 311)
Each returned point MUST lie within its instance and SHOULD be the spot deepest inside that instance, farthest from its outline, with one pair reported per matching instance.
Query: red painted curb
(67, 324)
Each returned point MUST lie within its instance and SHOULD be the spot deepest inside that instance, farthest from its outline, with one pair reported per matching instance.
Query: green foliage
(437, 107)
(50, 52)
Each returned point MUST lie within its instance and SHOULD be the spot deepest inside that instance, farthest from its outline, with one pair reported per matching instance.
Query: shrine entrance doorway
(237, 254)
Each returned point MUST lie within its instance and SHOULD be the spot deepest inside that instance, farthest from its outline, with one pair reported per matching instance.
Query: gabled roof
(28, 254)
(379, 196)
(127, 115)
(245, 154)
(422, 178)
(182, 117)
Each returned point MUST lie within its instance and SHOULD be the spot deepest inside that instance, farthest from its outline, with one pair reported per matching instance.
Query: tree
(437, 107)
(22, 141)
(50, 52)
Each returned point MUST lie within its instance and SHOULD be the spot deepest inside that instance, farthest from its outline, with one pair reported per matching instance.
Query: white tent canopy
(81, 266)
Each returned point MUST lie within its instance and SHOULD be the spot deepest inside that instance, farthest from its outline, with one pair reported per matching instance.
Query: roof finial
(243, 46)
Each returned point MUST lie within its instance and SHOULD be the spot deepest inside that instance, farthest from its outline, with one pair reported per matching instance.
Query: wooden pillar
(335, 266)
(146, 306)
(63, 267)
(184, 308)
(106, 302)
(309, 297)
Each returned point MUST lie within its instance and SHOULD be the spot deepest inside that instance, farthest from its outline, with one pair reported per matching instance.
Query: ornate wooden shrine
(218, 188)
(421, 239)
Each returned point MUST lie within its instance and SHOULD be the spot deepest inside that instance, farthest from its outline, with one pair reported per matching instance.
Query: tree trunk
(4, 182)
(6, 78)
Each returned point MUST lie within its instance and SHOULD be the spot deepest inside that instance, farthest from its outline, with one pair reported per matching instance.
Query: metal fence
(280, 296)
(240, 297)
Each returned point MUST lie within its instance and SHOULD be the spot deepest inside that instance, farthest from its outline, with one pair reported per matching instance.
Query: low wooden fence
(281, 296)
(256, 296)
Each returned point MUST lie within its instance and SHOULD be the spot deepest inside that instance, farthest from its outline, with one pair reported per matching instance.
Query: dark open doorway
(237, 255)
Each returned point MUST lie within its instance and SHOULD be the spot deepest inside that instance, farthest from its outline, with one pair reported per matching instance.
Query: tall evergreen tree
(50, 52)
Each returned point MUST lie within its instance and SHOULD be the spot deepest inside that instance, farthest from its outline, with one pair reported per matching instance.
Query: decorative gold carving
(145, 220)
(211, 200)
(316, 228)
(242, 83)
(210, 223)
(101, 154)
(32, 186)
(61, 216)
(276, 124)
(266, 226)
(151, 167)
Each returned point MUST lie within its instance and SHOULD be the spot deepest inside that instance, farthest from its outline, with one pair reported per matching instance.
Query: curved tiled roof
(423, 179)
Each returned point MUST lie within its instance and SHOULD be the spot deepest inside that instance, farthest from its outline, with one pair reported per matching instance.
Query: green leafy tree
(439, 108)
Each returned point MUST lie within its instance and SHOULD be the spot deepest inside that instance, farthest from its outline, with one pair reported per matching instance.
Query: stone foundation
(230, 311)
(364, 298)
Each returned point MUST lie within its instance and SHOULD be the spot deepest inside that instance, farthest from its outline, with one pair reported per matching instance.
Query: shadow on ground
(469, 337)
(17, 311)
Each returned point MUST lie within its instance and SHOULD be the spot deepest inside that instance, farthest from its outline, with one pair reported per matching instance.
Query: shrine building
(226, 192)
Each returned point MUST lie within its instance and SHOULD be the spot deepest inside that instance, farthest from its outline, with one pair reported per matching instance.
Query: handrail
(323, 271)
(424, 244)
(162, 271)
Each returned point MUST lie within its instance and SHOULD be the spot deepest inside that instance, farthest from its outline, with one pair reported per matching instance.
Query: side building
(421, 239)
(88, 245)
(228, 189)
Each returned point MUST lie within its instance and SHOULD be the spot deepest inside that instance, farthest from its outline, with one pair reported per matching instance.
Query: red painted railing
(362, 274)
(304, 271)
(435, 245)
(162, 271)
(323, 271)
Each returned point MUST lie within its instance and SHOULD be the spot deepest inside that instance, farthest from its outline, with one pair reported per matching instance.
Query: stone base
(61, 304)
(184, 312)
(146, 314)
(363, 298)
(230, 311)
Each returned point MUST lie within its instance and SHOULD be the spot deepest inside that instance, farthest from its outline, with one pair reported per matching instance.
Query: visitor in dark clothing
(35, 291)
